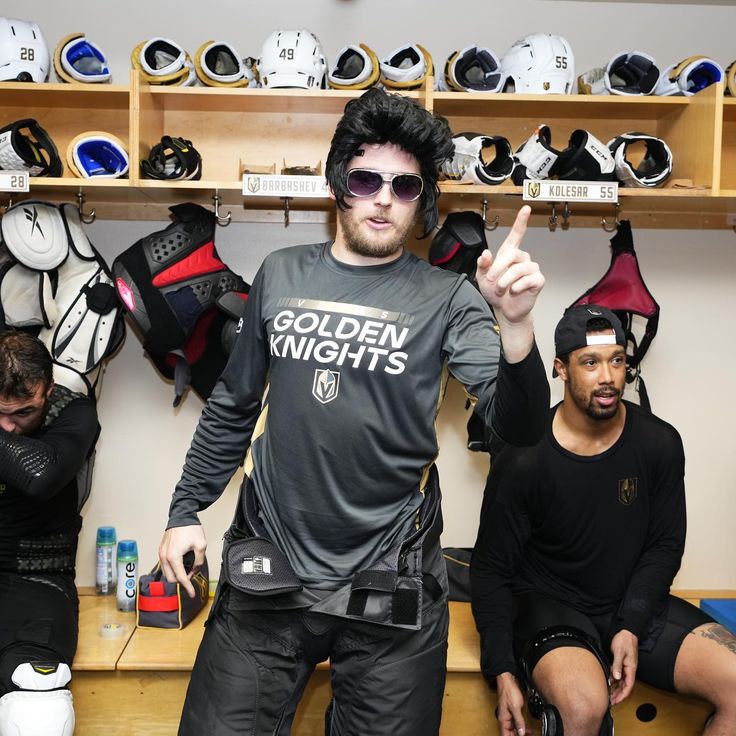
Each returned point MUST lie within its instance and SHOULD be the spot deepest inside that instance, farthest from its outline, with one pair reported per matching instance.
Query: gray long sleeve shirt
(334, 385)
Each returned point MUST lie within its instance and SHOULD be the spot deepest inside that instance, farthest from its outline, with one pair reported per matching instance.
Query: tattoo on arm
(719, 634)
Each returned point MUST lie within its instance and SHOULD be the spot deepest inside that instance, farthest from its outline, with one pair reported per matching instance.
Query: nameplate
(14, 181)
(282, 185)
(550, 190)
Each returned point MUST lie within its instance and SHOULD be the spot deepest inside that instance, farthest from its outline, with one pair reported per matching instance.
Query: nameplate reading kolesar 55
(14, 181)
(283, 185)
(551, 190)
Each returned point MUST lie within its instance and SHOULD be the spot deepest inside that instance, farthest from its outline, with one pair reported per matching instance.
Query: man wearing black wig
(353, 340)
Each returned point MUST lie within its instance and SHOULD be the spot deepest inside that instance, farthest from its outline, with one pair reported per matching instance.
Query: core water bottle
(127, 587)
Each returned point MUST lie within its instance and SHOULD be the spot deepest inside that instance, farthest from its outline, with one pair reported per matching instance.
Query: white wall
(688, 371)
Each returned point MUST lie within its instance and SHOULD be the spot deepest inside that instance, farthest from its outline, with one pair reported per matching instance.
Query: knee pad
(548, 714)
(40, 713)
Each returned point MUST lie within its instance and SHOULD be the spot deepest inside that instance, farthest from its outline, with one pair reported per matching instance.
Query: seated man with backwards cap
(47, 433)
(580, 538)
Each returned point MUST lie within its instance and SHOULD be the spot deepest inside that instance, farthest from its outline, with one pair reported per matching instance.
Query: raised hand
(511, 281)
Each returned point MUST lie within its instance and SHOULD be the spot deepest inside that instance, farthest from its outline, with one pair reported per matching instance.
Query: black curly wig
(382, 117)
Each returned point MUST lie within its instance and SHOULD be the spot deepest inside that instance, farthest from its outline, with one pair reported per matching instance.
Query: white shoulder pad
(26, 298)
(34, 234)
(87, 306)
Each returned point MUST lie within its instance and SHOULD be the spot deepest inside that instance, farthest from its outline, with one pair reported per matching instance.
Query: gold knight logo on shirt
(326, 385)
(627, 489)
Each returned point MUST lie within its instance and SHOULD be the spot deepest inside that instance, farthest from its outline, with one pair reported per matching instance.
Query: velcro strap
(384, 580)
(156, 587)
(158, 603)
(405, 607)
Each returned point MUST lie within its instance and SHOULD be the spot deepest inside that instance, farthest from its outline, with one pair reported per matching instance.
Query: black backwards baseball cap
(571, 332)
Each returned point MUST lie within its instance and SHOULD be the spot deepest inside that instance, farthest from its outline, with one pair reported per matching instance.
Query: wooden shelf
(232, 127)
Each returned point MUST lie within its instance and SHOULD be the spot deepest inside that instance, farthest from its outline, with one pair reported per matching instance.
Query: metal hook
(488, 226)
(553, 219)
(86, 217)
(612, 227)
(566, 212)
(286, 210)
(222, 221)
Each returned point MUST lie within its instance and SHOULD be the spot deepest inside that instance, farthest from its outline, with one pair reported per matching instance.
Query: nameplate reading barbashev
(283, 185)
(14, 181)
(552, 190)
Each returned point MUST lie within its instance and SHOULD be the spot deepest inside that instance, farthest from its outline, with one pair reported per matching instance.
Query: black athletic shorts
(39, 622)
(657, 651)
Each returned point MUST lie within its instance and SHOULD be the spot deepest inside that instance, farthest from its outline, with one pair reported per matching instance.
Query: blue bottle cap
(106, 535)
(127, 548)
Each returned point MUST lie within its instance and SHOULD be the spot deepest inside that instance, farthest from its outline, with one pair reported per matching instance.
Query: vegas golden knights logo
(326, 385)
(627, 489)
(534, 189)
(254, 183)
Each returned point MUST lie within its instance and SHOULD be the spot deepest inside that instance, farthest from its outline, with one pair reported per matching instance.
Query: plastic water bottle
(105, 577)
(127, 587)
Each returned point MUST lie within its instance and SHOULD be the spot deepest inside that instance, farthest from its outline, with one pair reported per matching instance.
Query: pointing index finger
(519, 228)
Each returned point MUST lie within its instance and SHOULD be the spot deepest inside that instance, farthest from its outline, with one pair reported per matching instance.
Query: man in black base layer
(333, 387)
(46, 435)
(584, 533)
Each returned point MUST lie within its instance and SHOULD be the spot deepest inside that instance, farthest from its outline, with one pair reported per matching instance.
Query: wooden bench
(135, 685)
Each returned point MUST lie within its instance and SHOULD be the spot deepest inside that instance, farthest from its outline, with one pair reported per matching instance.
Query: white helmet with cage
(539, 64)
(293, 59)
(24, 55)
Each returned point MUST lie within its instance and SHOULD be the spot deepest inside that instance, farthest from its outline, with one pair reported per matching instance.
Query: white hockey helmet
(24, 55)
(539, 64)
(293, 59)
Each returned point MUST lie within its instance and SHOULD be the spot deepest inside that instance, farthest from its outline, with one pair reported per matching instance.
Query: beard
(381, 244)
(587, 404)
